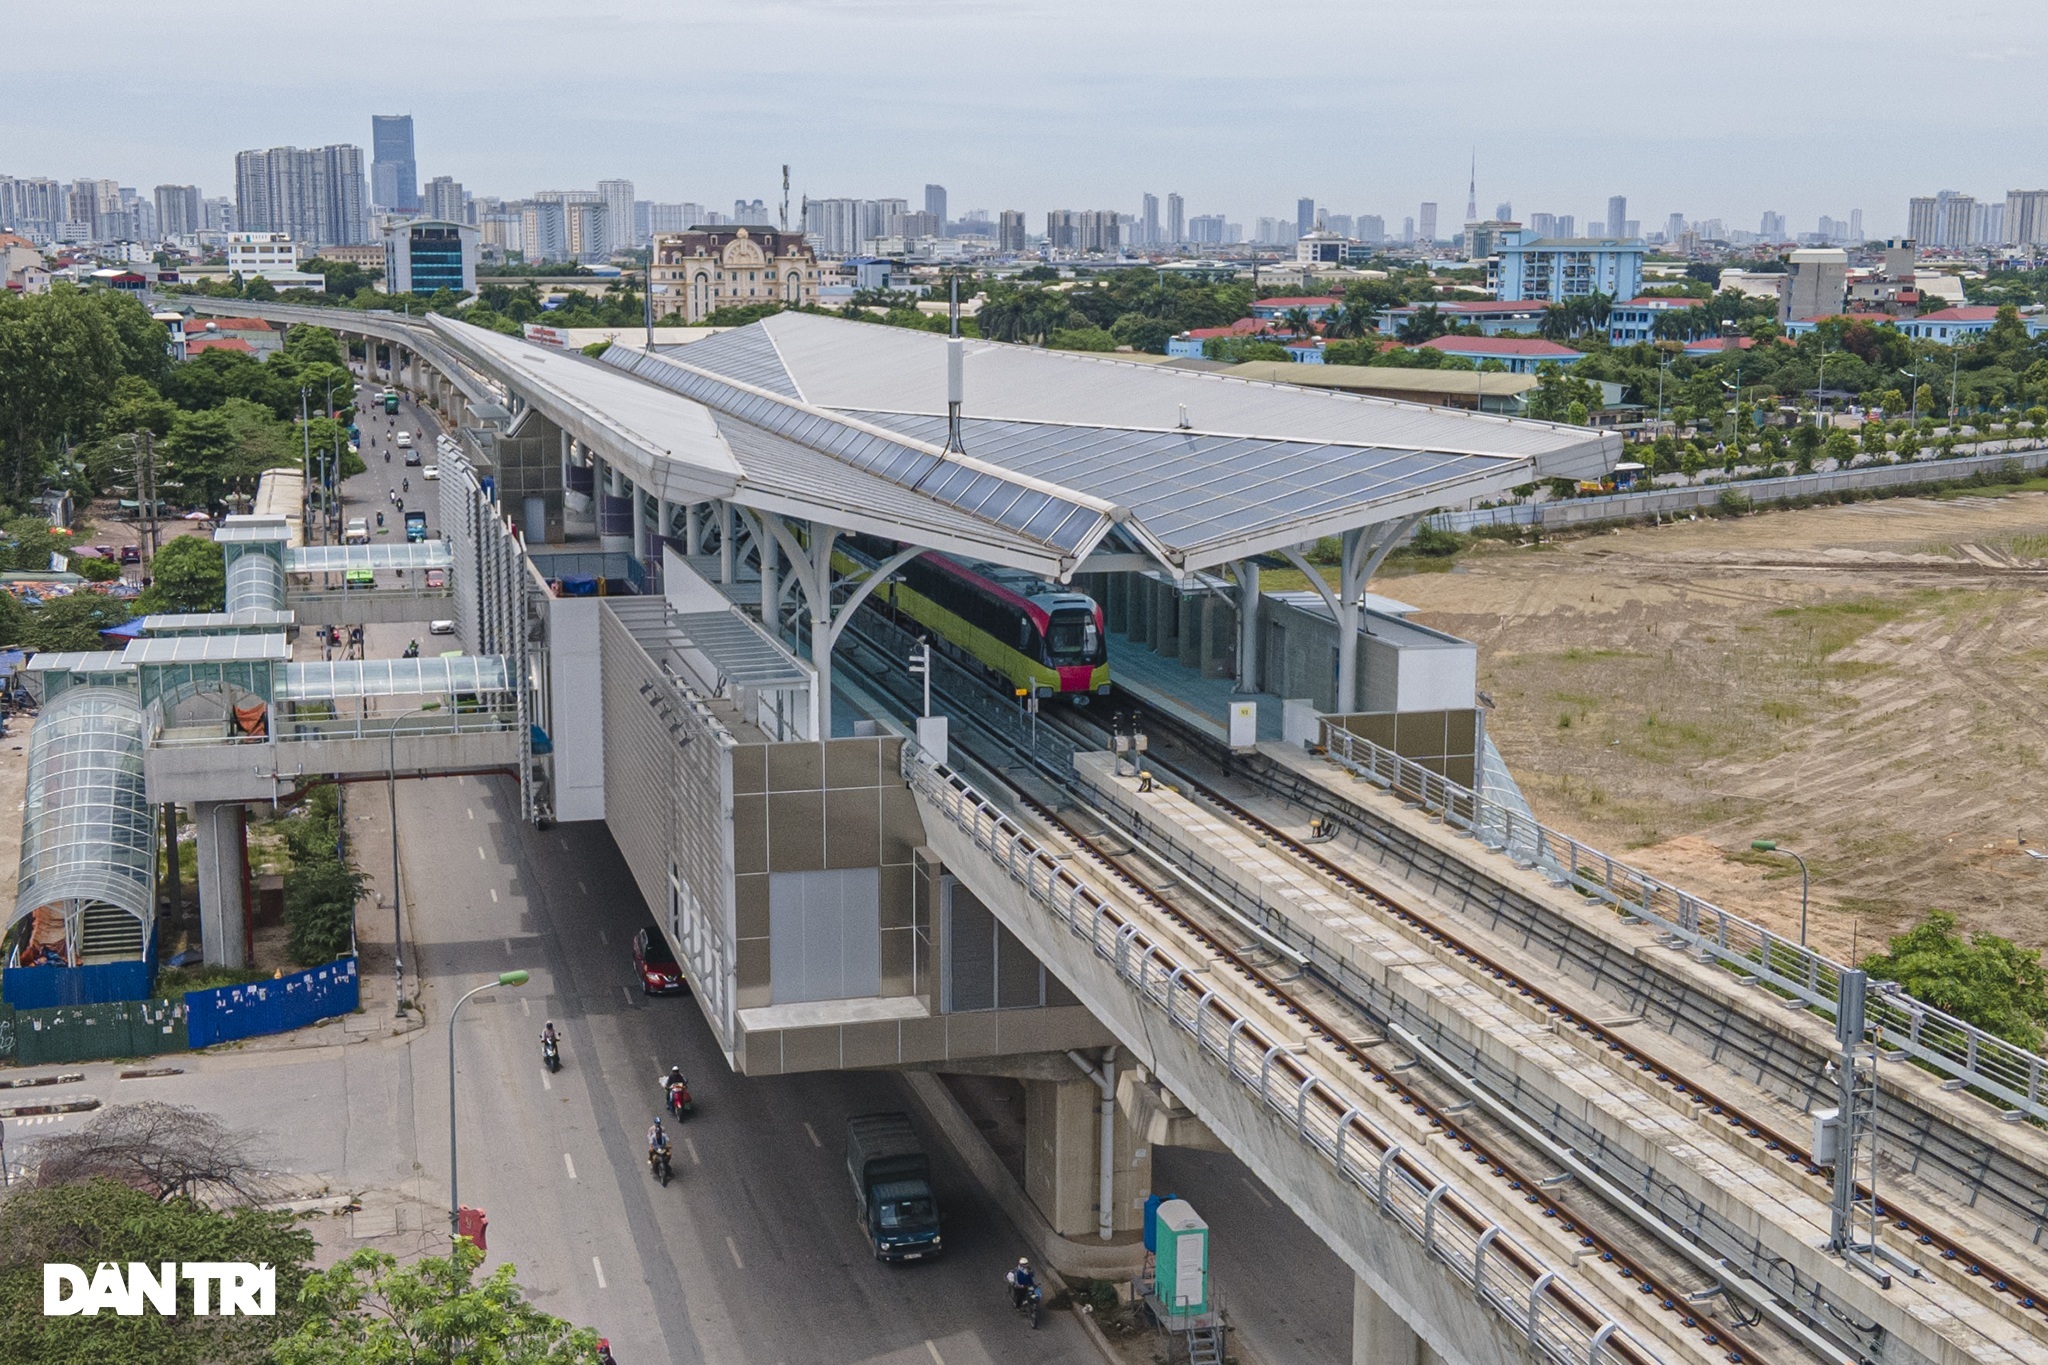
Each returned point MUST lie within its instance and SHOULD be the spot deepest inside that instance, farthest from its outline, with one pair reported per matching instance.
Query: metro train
(1025, 632)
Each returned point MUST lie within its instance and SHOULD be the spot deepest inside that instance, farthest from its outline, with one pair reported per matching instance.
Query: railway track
(2023, 1291)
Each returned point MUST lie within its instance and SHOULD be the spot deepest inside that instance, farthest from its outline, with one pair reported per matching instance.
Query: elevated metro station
(687, 584)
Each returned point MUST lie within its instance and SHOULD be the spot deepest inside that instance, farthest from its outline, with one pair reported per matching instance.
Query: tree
(60, 354)
(369, 1310)
(1346, 322)
(1841, 448)
(1424, 324)
(1806, 443)
(1080, 339)
(344, 280)
(320, 895)
(1142, 333)
(189, 574)
(1990, 981)
(225, 448)
(1557, 391)
(1296, 320)
(74, 623)
(104, 1220)
(168, 1151)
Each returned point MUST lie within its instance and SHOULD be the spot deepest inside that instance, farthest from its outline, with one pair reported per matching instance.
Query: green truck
(892, 1189)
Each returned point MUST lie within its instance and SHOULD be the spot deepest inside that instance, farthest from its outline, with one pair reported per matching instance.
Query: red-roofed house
(1490, 317)
(1718, 345)
(1189, 343)
(1314, 305)
(261, 337)
(1520, 354)
(1963, 324)
(194, 345)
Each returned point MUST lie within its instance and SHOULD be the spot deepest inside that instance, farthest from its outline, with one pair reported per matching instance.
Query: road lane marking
(733, 1247)
(627, 991)
(598, 1266)
(472, 811)
(581, 887)
(494, 895)
(508, 947)
(570, 1164)
(604, 938)
(480, 854)
(1255, 1193)
(695, 1160)
(545, 1083)
(526, 1007)
(931, 1346)
(814, 1135)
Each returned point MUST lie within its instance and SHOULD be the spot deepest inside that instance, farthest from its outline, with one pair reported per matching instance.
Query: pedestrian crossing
(35, 1119)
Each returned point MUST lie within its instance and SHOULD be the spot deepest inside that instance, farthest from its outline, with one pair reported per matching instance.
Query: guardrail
(1695, 497)
(1556, 1319)
(1897, 1022)
(293, 730)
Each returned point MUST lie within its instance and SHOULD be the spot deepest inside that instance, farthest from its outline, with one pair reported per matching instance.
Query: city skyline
(1033, 141)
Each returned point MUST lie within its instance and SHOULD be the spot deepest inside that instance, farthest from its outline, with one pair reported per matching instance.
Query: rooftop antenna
(956, 378)
(785, 196)
(1472, 190)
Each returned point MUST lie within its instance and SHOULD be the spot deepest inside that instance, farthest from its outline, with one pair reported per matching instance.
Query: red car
(655, 965)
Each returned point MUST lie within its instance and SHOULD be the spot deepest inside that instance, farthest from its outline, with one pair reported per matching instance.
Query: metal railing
(1556, 1319)
(1898, 1023)
(489, 718)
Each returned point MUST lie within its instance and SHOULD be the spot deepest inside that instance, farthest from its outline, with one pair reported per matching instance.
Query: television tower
(1472, 190)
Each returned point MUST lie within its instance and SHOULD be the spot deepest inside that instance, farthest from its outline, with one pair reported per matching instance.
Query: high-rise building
(643, 219)
(832, 226)
(1372, 229)
(1674, 227)
(1176, 219)
(92, 206)
(1085, 230)
(1426, 223)
(1148, 222)
(935, 204)
(314, 196)
(1816, 284)
(1772, 227)
(1567, 225)
(32, 206)
(2026, 218)
(754, 213)
(394, 173)
(1856, 225)
(425, 256)
(1338, 223)
(1504, 212)
(1987, 224)
(1206, 229)
(1922, 224)
(1407, 232)
(178, 210)
(1543, 224)
(1955, 218)
(221, 215)
(1617, 216)
(445, 201)
(618, 210)
(1304, 217)
(1010, 230)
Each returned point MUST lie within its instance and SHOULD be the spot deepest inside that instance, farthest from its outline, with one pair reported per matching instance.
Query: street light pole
(1771, 846)
(518, 978)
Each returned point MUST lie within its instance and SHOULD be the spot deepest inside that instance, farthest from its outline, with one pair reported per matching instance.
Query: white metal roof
(436, 677)
(414, 554)
(207, 649)
(203, 622)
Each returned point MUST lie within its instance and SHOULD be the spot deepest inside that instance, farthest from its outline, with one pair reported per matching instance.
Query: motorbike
(658, 1163)
(412, 650)
(677, 1096)
(550, 1050)
(387, 457)
(1034, 1304)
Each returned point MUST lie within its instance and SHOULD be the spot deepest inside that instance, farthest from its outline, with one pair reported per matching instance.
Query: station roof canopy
(255, 619)
(208, 649)
(844, 423)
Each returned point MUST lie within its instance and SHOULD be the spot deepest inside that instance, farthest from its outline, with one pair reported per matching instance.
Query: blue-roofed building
(1527, 266)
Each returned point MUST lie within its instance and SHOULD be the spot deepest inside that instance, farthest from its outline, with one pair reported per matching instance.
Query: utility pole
(785, 199)
(306, 459)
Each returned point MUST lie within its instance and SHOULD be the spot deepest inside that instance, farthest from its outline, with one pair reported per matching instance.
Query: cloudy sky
(1713, 110)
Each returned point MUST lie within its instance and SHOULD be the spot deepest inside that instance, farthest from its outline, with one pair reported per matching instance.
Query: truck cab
(893, 1199)
(415, 525)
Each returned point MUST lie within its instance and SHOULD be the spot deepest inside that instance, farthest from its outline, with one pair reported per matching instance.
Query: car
(656, 965)
(405, 440)
(432, 471)
(412, 457)
(437, 578)
(131, 554)
(440, 627)
(360, 580)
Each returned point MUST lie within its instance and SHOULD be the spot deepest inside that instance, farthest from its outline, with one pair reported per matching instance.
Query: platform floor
(1183, 692)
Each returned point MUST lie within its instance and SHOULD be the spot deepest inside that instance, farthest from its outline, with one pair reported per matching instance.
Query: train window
(1072, 635)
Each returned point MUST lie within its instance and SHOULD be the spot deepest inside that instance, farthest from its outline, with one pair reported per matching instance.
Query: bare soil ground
(1861, 683)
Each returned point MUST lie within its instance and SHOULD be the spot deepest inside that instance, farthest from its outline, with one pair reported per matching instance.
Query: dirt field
(1861, 683)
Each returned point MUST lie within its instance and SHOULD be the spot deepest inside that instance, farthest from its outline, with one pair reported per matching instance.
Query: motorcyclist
(657, 1141)
(547, 1033)
(412, 651)
(405, 485)
(1021, 1282)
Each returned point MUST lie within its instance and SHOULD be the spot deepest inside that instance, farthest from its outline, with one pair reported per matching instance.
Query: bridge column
(1063, 1160)
(726, 566)
(1248, 599)
(1380, 1336)
(223, 882)
(1363, 551)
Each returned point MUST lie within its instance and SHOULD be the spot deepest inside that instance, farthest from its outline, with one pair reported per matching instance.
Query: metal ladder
(1205, 1346)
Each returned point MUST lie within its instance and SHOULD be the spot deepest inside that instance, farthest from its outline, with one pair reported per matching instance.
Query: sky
(1724, 110)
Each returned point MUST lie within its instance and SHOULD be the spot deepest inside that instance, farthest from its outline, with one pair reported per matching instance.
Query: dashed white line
(570, 1164)
(494, 895)
(545, 1083)
(627, 991)
(932, 1346)
(526, 1007)
(508, 948)
(598, 1266)
(733, 1247)
(480, 854)
(472, 812)
(813, 1135)
(581, 887)
(604, 938)
(691, 1148)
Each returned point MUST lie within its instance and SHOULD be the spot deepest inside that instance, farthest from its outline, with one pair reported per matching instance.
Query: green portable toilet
(1183, 1258)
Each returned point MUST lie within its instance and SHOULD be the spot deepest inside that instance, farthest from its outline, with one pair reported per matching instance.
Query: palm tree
(1344, 323)
(1425, 324)
(1298, 322)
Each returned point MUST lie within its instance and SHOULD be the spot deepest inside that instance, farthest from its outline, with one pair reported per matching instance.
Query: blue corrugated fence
(287, 1002)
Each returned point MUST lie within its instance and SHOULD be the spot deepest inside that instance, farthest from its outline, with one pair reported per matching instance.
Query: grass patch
(1782, 710)
(178, 980)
